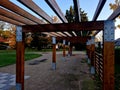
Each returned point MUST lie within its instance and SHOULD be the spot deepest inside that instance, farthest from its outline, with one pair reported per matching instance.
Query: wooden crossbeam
(98, 10)
(82, 26)
(31, 5)
(56, 9)
(115, 14)
(11, 6)
(77, 39)
(3, 18)
(14, 16)
(77, 10)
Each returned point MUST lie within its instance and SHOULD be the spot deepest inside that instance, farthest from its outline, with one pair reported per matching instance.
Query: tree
(71, 17)
(7, 32)
(113, 6)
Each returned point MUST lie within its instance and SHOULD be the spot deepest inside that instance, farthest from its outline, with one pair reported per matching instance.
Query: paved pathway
(69, 75)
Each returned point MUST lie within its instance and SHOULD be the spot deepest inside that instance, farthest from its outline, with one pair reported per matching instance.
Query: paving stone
(8, 80)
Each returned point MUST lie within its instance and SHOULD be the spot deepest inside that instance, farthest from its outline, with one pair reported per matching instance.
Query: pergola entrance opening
(25, 22)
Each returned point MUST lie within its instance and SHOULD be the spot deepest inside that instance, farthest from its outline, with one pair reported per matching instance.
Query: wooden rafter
(77, 39)
(82, 26)
(115, 14)
(3, 18)
(56, 9)
(98, 10)
(31, 5)
(14, 16)
(77, 10)
(11, 6)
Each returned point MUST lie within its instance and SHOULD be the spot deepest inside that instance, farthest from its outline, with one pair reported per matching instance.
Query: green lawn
(8, 57)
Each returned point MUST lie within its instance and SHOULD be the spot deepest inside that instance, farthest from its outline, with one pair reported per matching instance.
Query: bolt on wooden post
(64, 49)
(19, 59)
(54, 53)
(108, 56)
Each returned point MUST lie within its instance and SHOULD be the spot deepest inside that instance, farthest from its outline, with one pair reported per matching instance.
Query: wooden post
(64, 49)
(68, 48)
(71, 47)
(87, 51)
(108, 56)
(54, 53)
(19, 59)
(92, 54)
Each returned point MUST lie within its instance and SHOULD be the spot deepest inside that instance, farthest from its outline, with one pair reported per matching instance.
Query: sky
(88, 6)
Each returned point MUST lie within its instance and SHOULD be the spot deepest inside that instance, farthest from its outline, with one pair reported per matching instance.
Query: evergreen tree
(70, 16)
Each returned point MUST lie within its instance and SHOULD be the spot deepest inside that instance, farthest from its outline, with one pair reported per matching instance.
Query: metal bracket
(19, 33)
(92, 40)
(108, 31)
(63, 42)
(18, 86)
(53, 40)
(54, 66)
(69, 43)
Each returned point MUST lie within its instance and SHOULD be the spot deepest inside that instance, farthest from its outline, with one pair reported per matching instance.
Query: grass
(88, 84)
(8, 57)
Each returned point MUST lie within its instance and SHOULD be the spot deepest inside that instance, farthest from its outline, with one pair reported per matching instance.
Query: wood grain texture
(82, 26)
(6, 19)
(54, 53)
(31, 5)
(57, 10)
(20, 64)
(16, 17)
(108, 66)
(11, 6)
(64, 51)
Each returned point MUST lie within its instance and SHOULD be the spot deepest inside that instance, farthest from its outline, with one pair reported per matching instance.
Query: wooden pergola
(26, 22)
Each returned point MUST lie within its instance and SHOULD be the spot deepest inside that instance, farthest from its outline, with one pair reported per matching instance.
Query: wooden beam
(64, 51)
(115, 14)
(74, 39)
(31, 5)
(20, 50)
(56, 9)
(98, 10)
(54, 56)
(108, 56)
(77, 10)
(14, 16)
(3, 18)
(56, 34)
(11, 6)
(82, 26)
(54, 53)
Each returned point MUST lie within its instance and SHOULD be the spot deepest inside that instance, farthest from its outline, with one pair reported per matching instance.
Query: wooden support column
(88, 51)
(64, 49)
(92, 55)
(19, 59)
(108, 56)
(69, 49)
(54, 53)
